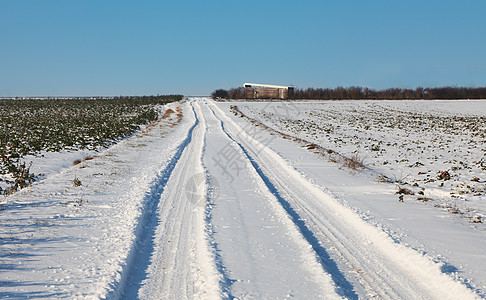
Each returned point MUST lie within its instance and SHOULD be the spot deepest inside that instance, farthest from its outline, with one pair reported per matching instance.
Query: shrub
(354, 162)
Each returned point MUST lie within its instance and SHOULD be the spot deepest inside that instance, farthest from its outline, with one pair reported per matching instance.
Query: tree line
(361, 93)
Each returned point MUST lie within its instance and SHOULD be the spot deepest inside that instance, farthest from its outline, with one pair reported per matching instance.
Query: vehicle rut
(139, 257)
(367, 257)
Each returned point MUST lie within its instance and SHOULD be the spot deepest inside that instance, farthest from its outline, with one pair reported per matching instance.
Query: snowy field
(434, 149)
(251, 200)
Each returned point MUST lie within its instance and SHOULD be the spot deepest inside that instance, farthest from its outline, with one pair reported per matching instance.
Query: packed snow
(219, 205)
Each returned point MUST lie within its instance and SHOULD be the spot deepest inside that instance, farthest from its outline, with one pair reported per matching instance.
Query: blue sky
(104, 47)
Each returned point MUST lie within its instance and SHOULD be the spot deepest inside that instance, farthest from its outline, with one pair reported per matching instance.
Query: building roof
(266, 85)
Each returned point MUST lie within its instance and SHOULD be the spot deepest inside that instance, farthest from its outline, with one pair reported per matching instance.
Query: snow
(256, 233)
(216, 207)
(410, 142)
(64, 241)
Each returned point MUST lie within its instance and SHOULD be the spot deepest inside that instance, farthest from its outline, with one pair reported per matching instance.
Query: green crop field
(33, 126)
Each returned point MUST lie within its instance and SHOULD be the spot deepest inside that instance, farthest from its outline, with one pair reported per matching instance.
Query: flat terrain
(257, 201)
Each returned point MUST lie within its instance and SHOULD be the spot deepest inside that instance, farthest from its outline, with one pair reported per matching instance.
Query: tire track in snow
(181, 265)
(383, 268)
(344, 286)
(225, 281)
(138, 260)
(284, 245)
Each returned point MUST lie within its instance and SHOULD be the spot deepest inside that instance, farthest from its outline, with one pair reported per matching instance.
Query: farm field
(31, 128)
(266, 200)
(433, 151)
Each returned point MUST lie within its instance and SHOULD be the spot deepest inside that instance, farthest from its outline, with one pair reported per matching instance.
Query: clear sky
(120, 47)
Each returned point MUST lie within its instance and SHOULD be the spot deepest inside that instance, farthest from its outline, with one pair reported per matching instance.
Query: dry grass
(385, 179)
(179, 114)
(454, 210)
(354, 162)
(167, 113)
(475, 219)
(76, 181)
(405, 191)
(78, 161)
(444, 176)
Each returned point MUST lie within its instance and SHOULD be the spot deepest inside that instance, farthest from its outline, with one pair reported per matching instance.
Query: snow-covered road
(217, 214)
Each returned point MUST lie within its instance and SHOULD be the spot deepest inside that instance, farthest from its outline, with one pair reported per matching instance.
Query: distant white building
(265, 91)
